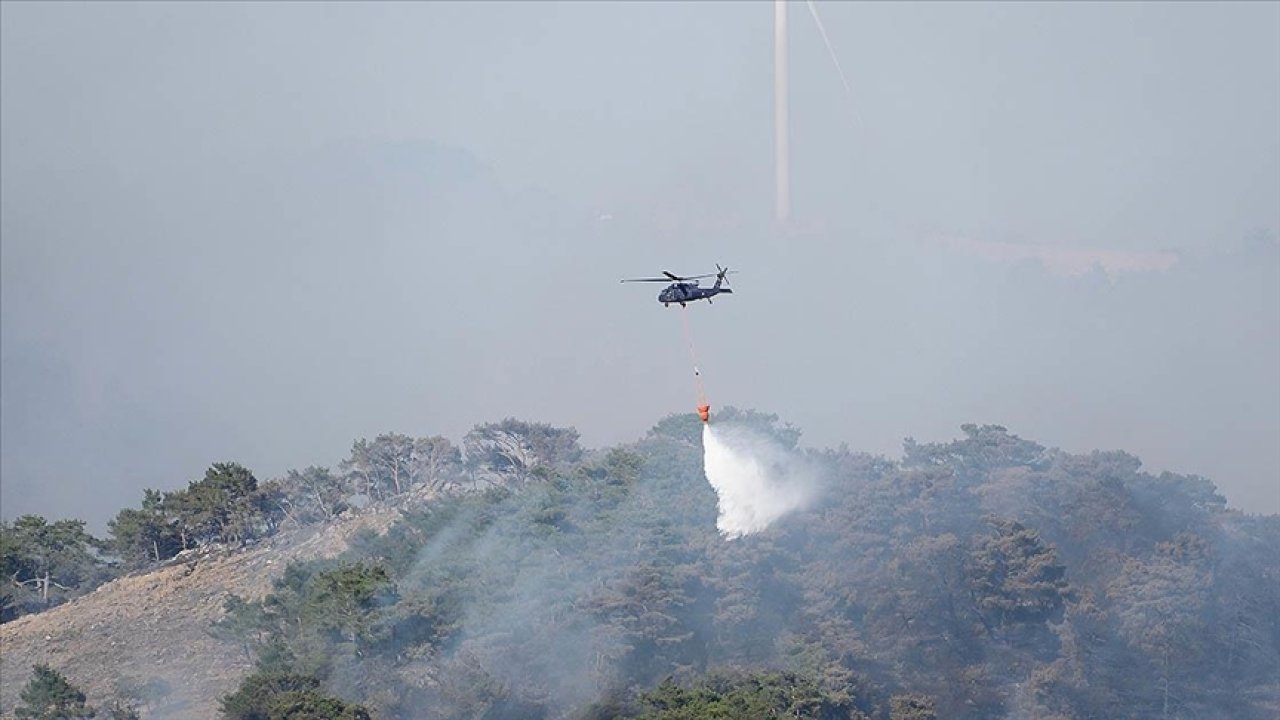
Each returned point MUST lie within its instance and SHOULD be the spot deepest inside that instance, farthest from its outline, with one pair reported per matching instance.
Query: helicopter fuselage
(683, 292)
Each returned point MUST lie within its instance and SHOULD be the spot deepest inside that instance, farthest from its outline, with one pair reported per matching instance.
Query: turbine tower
(781, 123)
(781, 103)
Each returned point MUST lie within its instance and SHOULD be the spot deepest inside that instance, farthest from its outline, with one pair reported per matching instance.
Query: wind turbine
(781, 103)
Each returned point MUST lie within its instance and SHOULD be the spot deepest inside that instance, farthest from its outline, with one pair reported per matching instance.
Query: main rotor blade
(681, 278)
(670, 277)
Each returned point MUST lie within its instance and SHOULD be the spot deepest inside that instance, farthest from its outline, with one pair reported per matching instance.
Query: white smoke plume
(756, 479)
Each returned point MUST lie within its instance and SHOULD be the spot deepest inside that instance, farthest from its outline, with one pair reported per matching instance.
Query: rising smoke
(756, 480)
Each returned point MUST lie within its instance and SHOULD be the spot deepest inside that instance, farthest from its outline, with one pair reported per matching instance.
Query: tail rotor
(721, 275)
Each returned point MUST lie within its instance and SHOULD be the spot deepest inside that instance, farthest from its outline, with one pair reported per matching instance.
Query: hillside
(152, 627)
(987, 576)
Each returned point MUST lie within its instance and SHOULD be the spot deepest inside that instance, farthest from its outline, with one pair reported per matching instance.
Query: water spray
(756, 480)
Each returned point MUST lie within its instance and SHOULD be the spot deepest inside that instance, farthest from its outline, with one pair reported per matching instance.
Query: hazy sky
(256, 232)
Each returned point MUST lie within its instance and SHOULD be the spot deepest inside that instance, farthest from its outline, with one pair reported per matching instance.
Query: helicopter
(685, 289)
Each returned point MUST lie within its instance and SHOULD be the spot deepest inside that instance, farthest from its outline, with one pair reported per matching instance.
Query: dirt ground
(147, 635)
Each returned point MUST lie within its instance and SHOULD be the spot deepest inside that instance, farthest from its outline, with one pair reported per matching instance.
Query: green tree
(983, 449)
(1159, 604)
(220, 506)
(512, 450)
(911, 707)
(286, 696)
(242, 623)
(683, 428)
(1015, 577)
(436, 462)
(49, 696)
(343, 601)
(383, 467)
(143, 535)
(652, 616)
(393, 463)
(314, 494)
(53, 560)
(183, 514)
(312, 705)
(732, 695)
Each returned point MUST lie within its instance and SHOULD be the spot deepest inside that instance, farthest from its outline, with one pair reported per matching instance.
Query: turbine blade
(813, 10)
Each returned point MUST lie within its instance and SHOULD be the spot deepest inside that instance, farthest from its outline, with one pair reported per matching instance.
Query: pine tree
(49, 696)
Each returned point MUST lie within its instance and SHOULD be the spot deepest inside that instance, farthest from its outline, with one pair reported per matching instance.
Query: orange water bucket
(704, 412)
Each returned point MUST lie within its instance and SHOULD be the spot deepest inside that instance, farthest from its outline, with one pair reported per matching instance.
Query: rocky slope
(145, 636)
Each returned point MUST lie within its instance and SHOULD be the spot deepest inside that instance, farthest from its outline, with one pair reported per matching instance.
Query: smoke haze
(256, 232)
